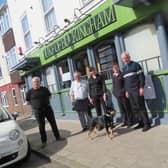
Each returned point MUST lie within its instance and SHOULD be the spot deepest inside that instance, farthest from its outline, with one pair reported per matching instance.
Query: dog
(101, 122)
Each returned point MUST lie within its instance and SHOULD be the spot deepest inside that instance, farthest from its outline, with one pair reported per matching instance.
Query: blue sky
(2, 1)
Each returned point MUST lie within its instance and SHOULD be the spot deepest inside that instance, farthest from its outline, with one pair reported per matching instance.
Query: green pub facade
(98, 39)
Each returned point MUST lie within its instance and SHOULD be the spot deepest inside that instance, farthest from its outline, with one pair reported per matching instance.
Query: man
(79, 100)
(134, 81)
(38, 97)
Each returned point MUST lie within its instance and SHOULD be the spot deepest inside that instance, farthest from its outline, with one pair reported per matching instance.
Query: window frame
(23, 95)
(15, 100)
(10, 54)
(46, 13)
(26, 33)
(3, 95)
(3, 18)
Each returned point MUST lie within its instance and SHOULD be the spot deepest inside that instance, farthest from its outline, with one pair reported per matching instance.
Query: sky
(2, 1)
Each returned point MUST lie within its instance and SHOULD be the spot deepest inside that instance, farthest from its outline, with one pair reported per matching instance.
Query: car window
(3, 115)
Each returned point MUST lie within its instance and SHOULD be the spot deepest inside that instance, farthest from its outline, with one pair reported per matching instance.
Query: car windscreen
(3, 115)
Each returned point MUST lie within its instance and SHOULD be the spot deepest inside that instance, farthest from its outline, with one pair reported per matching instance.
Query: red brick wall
(23, 109)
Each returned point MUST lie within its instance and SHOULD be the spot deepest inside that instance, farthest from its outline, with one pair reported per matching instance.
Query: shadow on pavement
(52, 146)
(33, 162)
(27, 124)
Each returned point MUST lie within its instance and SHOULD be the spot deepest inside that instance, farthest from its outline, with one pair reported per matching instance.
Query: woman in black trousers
(119, 93)
(97, 91)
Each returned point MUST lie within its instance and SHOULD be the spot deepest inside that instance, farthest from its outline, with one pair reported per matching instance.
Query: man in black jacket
(134, 81)
(38, 97)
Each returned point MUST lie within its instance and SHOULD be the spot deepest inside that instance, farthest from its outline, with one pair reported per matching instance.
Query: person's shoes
(146, 128)
(138, 126)
(123, 125)
(60, 139)
(84, 129)
(43, 145)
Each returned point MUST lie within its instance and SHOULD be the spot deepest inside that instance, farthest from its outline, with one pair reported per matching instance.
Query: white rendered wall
(3, 64)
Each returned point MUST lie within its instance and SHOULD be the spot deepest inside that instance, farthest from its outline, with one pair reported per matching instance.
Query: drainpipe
(119, 44)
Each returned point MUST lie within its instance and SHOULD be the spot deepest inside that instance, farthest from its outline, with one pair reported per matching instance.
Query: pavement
(130, 149)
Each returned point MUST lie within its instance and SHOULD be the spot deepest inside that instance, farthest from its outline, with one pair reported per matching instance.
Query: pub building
(98, 39)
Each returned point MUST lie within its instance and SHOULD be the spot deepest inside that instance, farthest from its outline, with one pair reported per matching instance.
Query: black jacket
(118, 85)
(133, 77)
(97, 86)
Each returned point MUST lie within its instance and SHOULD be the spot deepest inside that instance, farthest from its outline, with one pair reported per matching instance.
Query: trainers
(43, 145)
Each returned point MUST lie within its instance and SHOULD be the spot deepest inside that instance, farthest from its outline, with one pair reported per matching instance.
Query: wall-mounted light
(67, 21)
(77, 12)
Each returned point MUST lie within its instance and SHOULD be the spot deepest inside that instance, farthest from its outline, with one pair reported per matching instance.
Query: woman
(97, 91)
(119, 93)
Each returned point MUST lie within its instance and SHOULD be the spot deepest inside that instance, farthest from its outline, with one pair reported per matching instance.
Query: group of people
(128, 88)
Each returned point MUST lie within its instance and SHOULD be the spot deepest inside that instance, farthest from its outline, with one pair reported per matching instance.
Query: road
(36, 161)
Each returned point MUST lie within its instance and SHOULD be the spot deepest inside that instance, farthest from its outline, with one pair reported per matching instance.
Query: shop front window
(50, 76)
(142, 44)
(106, 56)
(81, 64)
(64, 74)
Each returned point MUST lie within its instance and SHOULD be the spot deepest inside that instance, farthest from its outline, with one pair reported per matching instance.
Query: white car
(14, 145)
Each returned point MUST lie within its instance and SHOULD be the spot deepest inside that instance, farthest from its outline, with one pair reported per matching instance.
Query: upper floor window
(26, 32)
(4, 22)
(49, 14)
(12, 58)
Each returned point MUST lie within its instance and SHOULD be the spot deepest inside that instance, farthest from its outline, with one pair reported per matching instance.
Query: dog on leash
(101, 122)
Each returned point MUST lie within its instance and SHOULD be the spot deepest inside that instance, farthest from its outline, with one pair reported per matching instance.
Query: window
(106, 56)
(64, 74)
(4, 22)
(81, 64)
(12, 59)
(50, 75)
(49, 14)
(26, 32)
(23, 94)
(4, 99)
(14, 96)
(142, 44)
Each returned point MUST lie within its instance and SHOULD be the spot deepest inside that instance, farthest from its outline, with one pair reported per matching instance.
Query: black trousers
(98, 101)
(138, 107)
(40, 115)
(125, 109)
